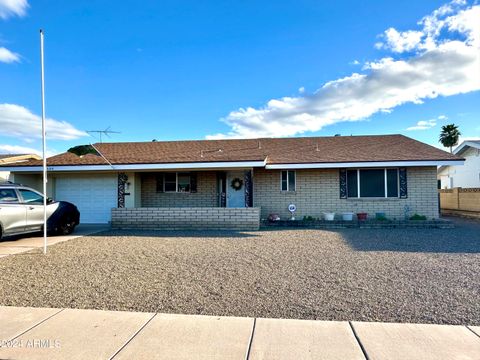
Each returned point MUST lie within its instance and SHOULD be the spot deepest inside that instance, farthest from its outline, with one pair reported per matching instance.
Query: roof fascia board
(126, 167)
(464, 145)
(364, 164)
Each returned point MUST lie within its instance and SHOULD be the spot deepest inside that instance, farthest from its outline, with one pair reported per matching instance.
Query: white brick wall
(317, 191)
(178, 218)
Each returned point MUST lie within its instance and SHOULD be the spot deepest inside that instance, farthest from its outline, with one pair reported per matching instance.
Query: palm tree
(449, 135)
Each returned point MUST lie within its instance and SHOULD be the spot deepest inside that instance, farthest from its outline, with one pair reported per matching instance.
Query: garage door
(95, 196)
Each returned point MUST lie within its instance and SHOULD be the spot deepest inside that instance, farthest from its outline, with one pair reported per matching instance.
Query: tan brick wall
(206, 195)
(460, 199)
(186, 218)
(317, 191)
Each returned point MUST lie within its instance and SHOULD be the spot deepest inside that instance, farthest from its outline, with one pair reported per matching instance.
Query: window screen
(352, 183)
(372, 183)
(284, 181)
(291, 181)
(170, 182)
(288, 180)
(392, 182)
(183, 182)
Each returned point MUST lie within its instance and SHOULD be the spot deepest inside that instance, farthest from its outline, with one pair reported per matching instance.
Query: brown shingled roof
(274, 150)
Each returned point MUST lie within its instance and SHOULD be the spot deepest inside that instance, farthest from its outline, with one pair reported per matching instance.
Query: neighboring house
(236, 181)
(467, 175)
(12, 159)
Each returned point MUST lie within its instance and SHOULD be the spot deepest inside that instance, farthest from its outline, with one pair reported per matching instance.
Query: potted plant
(329, 216)
(380, 216)
(347, 216)
(362, 216)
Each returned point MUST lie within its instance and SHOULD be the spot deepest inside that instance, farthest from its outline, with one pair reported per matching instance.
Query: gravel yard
(400, 275)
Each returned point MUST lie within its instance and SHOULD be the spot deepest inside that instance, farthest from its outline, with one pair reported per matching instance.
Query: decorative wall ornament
(122, 180)
(236, 184)
(343, 183)
(248, 188)
(402, 175)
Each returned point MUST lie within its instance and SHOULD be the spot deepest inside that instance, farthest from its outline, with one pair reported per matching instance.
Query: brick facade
(181, 218)
(317, 191)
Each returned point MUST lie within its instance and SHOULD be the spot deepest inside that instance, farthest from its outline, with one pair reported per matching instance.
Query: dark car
(21, 211)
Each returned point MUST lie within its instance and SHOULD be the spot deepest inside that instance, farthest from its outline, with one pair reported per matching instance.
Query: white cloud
(301, 90)
(16, 149)
(401, 41)
(423, 125)
(18, 121)
(427, 124)
(7, 56)
(443, 66)
(9, 8)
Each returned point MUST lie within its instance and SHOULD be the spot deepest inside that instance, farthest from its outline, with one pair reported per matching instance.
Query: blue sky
(203, 69)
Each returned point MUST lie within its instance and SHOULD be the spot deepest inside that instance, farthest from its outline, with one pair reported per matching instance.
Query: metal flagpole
(44, 141)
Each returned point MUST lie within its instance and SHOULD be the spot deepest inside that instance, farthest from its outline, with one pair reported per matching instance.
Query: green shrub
(418, 217)
(308, 218)
(81, 150)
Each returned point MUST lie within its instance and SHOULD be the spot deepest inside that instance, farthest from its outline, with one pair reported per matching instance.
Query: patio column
(248, 181)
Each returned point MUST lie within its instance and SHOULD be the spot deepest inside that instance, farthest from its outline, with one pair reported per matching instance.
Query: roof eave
(365, 164)
(139, 167)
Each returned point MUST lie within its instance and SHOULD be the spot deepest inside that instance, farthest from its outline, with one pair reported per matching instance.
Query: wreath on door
(236, 184)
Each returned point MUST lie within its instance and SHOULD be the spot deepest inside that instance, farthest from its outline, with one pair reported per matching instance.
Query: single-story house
(234, 183)
(12, 159)
(466, 176)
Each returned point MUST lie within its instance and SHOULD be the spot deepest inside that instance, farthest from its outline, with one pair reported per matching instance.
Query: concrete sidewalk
(22, 243)
(40, 333)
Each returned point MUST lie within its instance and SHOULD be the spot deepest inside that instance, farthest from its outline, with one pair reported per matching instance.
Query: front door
(235, 189)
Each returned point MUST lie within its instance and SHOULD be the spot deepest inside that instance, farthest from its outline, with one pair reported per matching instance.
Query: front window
(174, 182)
(288, 180)
(8, 196)
(372, 183)
(31, 197)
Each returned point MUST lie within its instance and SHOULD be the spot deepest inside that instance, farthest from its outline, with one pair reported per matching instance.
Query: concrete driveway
(22, 243)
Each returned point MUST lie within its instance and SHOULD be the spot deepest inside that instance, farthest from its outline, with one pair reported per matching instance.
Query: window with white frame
(174, 182)
(372, 183)
(288, 180)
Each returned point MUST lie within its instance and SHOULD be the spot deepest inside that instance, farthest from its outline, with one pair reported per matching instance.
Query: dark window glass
(159, 182)
(392, 182)
(291, 181)
(372, 183)
(8, 196)
(170, 181)
(352, 183)
(31, 197)
(284, 181)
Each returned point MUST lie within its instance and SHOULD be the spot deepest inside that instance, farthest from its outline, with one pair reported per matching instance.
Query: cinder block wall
(186, 218)
(460, 199)
(317, 191)
(206, 195)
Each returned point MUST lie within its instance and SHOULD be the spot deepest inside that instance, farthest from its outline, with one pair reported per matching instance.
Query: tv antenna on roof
(105, 132)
